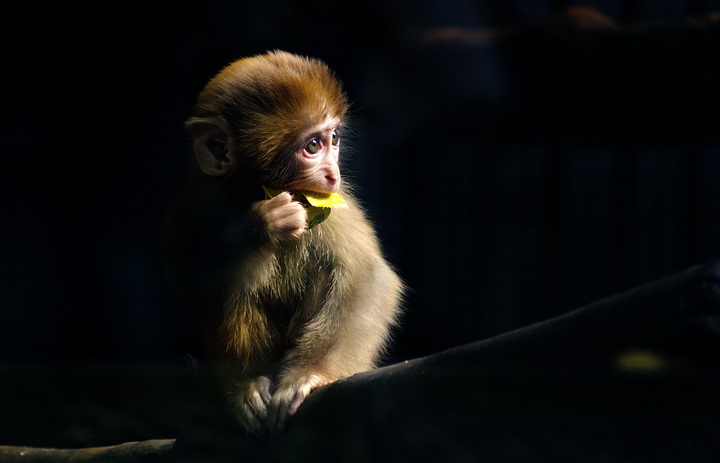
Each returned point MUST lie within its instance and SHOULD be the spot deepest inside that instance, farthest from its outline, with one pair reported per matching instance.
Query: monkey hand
(251, 399)
(284, 218)
(288, 397)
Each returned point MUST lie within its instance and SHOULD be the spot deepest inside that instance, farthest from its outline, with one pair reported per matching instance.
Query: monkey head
(274, 118)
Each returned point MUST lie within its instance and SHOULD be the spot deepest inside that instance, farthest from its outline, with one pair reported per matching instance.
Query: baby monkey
(294, 293)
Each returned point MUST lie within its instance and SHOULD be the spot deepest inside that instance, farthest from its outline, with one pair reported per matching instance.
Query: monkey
(286, 306)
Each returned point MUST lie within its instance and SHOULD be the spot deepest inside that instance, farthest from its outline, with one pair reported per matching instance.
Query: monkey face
(316, 162)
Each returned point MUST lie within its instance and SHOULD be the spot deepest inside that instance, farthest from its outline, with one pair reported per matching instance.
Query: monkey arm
(349, 332)
(345, 336)
(346, 327)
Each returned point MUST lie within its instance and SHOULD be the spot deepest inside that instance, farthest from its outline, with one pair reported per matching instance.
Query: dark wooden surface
(630, 378)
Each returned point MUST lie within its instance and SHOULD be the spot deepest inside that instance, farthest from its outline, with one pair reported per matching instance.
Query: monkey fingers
(287, 399)
(252, 403)
(283, 217)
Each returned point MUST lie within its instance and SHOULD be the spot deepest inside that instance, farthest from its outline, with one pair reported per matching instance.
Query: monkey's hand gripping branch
(288, 397)
(260, 409)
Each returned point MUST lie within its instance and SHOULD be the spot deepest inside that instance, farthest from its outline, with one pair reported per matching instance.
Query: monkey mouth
(310, 198)
(317, 205)
(324, 199)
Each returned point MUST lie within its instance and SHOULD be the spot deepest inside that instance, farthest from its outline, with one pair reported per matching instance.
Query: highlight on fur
(284, 308)
(268, 101)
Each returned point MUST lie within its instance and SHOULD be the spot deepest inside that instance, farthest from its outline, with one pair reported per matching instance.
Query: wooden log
(150, 451)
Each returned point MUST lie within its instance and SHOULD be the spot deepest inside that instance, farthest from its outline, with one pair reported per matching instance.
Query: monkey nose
(333, 181)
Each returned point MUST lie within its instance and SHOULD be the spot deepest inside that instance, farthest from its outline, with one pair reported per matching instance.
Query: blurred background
(517, 164)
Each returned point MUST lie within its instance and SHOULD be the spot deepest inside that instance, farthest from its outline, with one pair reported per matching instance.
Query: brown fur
(303, 312)
(270, 101)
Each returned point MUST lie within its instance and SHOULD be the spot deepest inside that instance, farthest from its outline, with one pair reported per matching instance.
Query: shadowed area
(629, 378)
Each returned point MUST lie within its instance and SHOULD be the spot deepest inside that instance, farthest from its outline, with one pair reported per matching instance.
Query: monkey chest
(300, 280)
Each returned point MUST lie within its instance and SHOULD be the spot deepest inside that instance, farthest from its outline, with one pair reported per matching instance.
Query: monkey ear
(211, 145)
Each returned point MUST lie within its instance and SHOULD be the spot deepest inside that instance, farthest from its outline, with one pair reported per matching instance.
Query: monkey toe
(278, 414)
(252, 404)
(252, 424)
(253, 416)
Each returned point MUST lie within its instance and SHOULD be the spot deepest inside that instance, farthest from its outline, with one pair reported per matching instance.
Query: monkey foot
(288, 398)
(251, 403)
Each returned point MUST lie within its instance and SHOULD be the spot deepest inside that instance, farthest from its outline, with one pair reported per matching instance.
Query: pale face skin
(317, 160)
(317, 163)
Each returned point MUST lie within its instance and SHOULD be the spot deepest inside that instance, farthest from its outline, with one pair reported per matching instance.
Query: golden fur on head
(270, 101)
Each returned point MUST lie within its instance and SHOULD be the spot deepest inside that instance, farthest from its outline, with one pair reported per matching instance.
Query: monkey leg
(346, 336)
(251, 398)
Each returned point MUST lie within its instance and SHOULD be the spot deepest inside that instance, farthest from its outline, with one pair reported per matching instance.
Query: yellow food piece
(324, 200)
(317, 205)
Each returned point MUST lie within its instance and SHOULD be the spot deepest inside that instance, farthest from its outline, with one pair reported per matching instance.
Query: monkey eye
(335, 138)
(313, 146)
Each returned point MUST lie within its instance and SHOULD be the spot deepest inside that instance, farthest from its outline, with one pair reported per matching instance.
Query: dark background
(509, 181)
